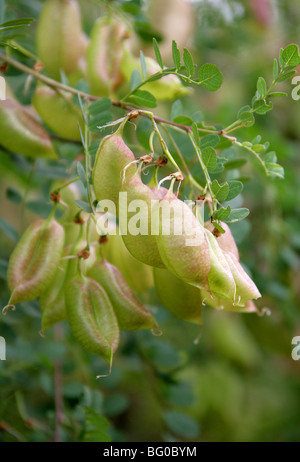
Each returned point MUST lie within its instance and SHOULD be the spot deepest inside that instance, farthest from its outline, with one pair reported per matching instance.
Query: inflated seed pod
(226, 240)
(59, 38)
(92, 318)
(223, 304)
(104, 55)
(130, 312)
(183, 247)
(181, 299)
(166, 88)
(111, 158)
(35, 260)
(220, 278)
(138, 275)
(20, 132)
(142, 246)
(58, 112)
(245, 287)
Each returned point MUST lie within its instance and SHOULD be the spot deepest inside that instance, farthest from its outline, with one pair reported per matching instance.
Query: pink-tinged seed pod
(245, 287)
(223, 304)
(179, 298)
(131, 313)
(92, 318)
(183, 247)
(35, 260)
(226, 240)
(220, 278)
(111, 159)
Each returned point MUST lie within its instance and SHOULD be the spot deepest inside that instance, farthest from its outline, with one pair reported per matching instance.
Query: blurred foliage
(239, 383)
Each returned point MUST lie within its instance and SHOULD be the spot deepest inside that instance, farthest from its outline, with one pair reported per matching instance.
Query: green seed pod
(20, 132)
(184, 249)
(226, 240)
(181, 299)
(131, 313)
(104, 55)
(58, 112)
(92, 318)
(34, 260)
(111, 158)
(137, 275)
(59, 39)
(223, 304)
(142, 246)
(168, 87)
(220, 278)
(245, 287)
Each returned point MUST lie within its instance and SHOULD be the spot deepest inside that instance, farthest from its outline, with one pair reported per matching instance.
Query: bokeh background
(239, 383)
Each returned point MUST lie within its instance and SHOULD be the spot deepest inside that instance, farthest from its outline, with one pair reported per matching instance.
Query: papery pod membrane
(131, 313)
(245, 287)
(111, 159)
(34, 260)
(59, 38)
(226, 240)
(182, 244)
(92, 318)
(166, 88)
(223, 304)
(220, 278)
(179, 298)
(138, 275)
(58, 112)
(142, 245)
(20, 132)
(104, 55)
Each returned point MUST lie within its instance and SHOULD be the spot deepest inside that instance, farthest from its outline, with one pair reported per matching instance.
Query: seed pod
(34, 260)
(183, 247)
(181, 299)
(220, 278)
(111, 158)
(20, 132)
(58, 112)
(245, 287)
(60, 42)
(166, 88)
(142, 246)
(226, 240)
(223, 304)
(137, 275)
(131, 313)
(104, 56)
(91, 317)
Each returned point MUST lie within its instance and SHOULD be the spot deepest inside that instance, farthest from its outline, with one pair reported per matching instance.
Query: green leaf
(97, 107)
(276, 94)
(270, 157)
(16, 24)
(142, 98)
(157, 53)
(247, 118)
(219, 227)
(275, 170)
(184, 120)
(9, 230)
(235, 188)
(100, 120)
(286, 76)
(96, 427)
(210, 77)
(188, 62)
(236, 163)
(290, 55)
(237, 215)
(13, 195)
(82, 174)
(196, 133)
(209, 157)
(275, 69)
(281, 60)
(209, 140)
(84, 206)
(135, 79)
(261, 87)
(222, 213)
(177, 109)
(260, 106)
(181, 424)
(176, 55)
(258, 148)
(143, 64)
(220, 191)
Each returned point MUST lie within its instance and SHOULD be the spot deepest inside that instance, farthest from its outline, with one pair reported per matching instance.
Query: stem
(58, 390)
(77, 178)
